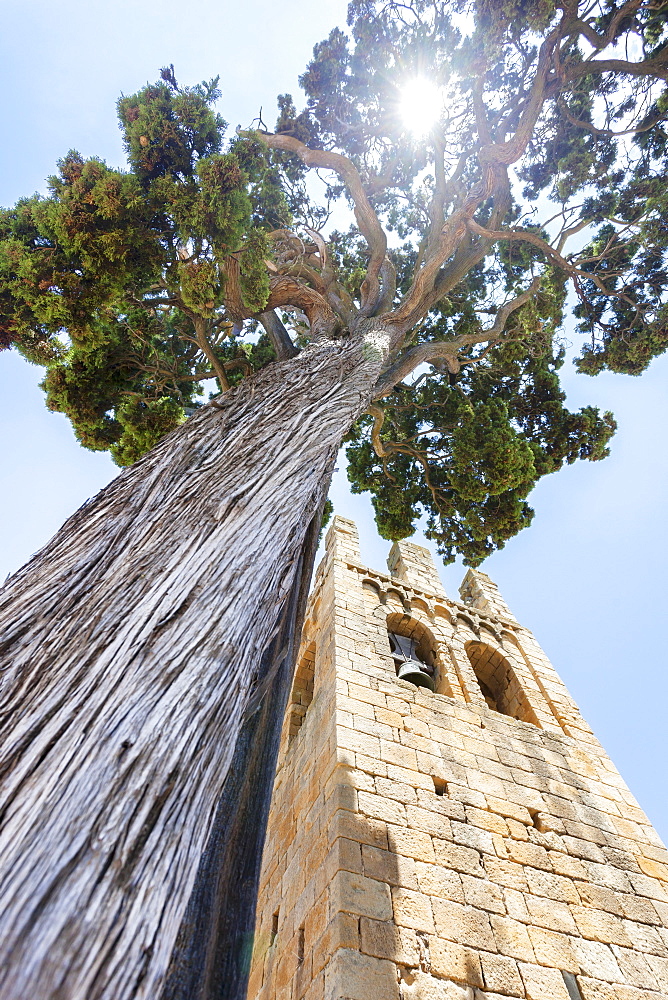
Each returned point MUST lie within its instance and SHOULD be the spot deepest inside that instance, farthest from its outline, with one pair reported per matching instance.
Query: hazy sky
(587, 577)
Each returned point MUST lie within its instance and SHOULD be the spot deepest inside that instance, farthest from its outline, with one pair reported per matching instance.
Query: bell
(413, 671)
(409, 668)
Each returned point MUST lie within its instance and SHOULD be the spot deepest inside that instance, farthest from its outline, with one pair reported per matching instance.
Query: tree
(148, 645)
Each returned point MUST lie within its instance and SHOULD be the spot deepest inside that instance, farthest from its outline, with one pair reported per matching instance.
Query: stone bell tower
(473, 842)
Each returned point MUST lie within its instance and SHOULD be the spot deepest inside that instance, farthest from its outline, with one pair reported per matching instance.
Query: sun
(421, 105)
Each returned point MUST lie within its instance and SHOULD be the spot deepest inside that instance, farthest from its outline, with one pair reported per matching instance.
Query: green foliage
(143, 423)
(254, 277)
(198, 281)
(488, 456)
(466, 450)
(167, 130)
(105, 280)
(486, 441)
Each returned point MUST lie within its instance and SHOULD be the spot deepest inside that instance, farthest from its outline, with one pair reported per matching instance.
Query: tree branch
(208, 352)
(510, 151)
(607, 133)
(367, 220)
(601, 41)
(656, 67)
(494, 159)
(388, 276)
(449, 349)
(287, 291)
(278, 335)
(384, 450)
(523, 235)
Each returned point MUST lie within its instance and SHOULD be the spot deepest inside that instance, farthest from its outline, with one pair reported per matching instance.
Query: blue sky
(587, 577)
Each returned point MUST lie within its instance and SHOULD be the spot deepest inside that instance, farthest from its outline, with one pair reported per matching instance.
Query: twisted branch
(449, 349)
(367, 220)
(524, 235)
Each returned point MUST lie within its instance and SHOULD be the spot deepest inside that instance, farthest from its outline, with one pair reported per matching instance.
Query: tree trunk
(211, 960)
(130, 646)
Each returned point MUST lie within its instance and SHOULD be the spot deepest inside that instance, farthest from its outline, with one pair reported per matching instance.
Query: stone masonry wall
(423, 846)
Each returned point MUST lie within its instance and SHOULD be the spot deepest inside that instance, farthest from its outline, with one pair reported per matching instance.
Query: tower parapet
(473, 842)
(414, 565)
(480, 592)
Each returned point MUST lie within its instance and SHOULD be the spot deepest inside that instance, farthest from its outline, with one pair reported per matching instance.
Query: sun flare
(421, 105)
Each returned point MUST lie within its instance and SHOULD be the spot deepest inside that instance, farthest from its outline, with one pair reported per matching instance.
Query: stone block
(411, 843)
(442, 803)
(418, 985)
(646, 886)
(388, 717)
(396, 753)
(463, 924)
(512, 938)
(344, 854)
(542, 883)
(417, 779)
(543, 984)
(635, 967)
(397, 790)
(642, 910)
(371, 765)
(564, 864)
(365, 694)
(471, 836)
(378, 807)
(646, 938)
(485, 820)
(511, 810)
(387, 866)
(355, 827)
(349, 739)
(532, 855)
(598, 925)
(341, 795)
(457, 857)
(553, 949)
(316, 990)
(482, 893)
(435, 880)
(501, 974)
(341, 932)
(594, 989)
(412, 909)
(516, 905)
(358, 894)
(659, 967)
(597, 960)
(430, 822)
(353, 976)
(551, 915)
(455, 961)
(506, 873)
(383, 939)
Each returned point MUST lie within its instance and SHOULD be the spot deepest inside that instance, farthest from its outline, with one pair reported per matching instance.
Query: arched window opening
(498, 682)
(413, 649)
(302, 691)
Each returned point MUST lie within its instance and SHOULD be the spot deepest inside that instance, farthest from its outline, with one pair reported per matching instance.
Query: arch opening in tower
(498, 682)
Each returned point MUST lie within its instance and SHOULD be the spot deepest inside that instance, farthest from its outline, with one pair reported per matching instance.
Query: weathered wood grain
(128, 648)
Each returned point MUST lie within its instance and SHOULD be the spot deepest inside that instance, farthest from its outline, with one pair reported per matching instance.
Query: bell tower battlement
(444, 824)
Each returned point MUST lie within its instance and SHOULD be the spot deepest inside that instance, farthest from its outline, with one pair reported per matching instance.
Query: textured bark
(211, 960)
(128, 647)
